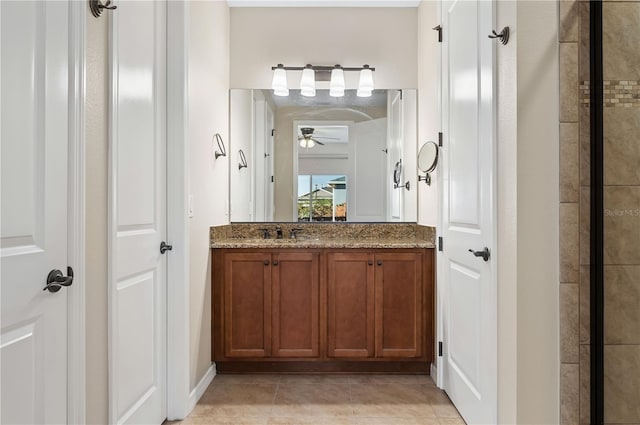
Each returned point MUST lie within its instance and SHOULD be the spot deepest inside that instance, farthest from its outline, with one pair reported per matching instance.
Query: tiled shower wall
(574, 213)
(621, 51)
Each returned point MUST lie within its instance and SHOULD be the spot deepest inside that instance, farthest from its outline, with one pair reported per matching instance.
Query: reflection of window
(322, 198)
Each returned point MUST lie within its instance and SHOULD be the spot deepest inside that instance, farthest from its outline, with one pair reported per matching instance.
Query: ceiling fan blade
(318, 142)
(331, 138)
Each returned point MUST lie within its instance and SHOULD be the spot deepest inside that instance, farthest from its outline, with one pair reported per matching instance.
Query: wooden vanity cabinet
(375, 305)
(334, 310)
(267, 304)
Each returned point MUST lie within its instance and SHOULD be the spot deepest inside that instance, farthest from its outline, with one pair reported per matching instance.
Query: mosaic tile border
(617, 93)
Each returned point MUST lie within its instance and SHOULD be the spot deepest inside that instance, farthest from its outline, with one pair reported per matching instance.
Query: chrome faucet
(293, 234)
(278, 232)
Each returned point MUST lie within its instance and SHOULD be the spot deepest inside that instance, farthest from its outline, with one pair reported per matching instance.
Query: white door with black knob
(138, 227)
(468, 270)
(33, 238)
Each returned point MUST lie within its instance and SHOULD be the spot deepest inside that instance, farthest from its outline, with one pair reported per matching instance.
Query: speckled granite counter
(324, 235)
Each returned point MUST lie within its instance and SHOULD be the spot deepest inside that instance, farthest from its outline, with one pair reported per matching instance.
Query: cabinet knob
(379, 262)
(370, 262)
(266, 262)
(275, 262)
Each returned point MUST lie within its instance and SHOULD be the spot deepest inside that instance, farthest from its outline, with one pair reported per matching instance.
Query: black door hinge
(273, 132)
(272, 179)
(439, 29)
(400, 94)
(440, 139)
(440, 243)
(439, 348)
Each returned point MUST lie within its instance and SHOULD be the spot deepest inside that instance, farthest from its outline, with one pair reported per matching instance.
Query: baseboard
(202, 386)
(434, 373)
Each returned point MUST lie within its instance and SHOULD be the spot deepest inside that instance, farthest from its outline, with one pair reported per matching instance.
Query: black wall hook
(97, 6)
(220, 142)
(503, 35)
(243, 160)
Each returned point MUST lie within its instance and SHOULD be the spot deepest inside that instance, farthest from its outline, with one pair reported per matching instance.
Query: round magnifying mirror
(428, 157)
(397, 172)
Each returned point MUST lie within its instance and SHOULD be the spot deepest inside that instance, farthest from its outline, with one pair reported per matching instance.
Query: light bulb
(365, 85)
(308, 82)
(279, 82)
(307, 143)
(337, 85)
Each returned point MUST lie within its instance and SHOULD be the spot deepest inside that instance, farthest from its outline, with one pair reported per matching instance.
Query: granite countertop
(325, 235)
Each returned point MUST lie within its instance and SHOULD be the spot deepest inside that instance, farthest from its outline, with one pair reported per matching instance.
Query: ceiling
(322, 99)
(323, 3)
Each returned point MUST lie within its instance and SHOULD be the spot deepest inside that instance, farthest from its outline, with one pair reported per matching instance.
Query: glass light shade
(307, 143)
(363, 93)
(337, 85)
(279, 82)
(366, 80)
(308, 82)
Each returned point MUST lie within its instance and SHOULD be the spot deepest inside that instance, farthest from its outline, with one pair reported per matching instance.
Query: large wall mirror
(322, 158)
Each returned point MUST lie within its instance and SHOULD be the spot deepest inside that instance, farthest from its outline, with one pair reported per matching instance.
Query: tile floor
(323, 400)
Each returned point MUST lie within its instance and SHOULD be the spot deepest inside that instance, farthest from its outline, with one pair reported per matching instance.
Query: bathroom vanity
(323, 298)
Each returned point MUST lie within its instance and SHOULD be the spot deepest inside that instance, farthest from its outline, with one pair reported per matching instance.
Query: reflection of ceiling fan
(308, 140)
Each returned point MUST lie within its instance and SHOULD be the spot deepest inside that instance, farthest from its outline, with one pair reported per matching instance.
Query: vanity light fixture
(337, 84)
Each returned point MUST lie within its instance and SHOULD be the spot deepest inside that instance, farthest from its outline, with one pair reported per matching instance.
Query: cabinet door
(296, 297)
(247, 305)
(399, 305)
(350, 303)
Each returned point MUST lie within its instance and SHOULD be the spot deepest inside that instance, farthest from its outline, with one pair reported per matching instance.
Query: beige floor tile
(312, 400)
(390, 400)
(397, 420)
(221, 420)
(246, 379)
(315, 379)
(237, 400)
(440, 403)
(451, 421)
(335, 420)
(390, 379)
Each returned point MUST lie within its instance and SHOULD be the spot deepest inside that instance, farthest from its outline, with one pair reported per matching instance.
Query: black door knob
(485, 253)
(164, 247)
(56, 280)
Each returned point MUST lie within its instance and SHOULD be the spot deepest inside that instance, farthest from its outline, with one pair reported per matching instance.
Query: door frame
(76, 217)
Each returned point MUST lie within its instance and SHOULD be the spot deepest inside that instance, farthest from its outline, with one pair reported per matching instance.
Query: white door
(367, 195)
(470, 298)
(33, 237)
(137, 303)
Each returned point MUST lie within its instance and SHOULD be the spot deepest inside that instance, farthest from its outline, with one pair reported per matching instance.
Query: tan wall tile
(569, 323)
(585, 225)
(621, 224)
(585, 384)
(621, 37)
(585, 146)
(569, 162)
(569, 394)
(569, 20)
(621, 146)
(584, 47)
(622, 305)
(569, 82)
(621, 386)
(569, 243)
(585, 305)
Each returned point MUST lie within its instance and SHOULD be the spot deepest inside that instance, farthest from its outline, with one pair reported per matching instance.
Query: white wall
(409, 153)
(428, 104)
(208, 114)
(528, 181)
(241, 128)
(385, 38)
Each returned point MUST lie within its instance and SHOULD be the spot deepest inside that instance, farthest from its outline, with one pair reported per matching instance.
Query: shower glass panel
(621, 210)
